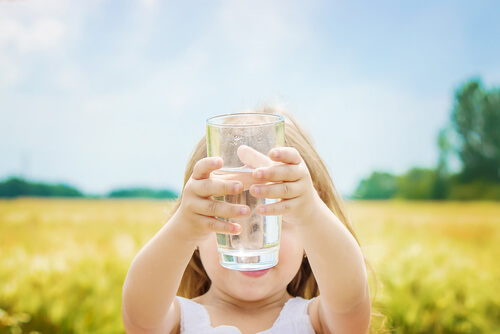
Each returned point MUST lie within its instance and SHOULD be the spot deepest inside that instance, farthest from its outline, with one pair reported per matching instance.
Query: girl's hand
(199, 210)
(292, 184)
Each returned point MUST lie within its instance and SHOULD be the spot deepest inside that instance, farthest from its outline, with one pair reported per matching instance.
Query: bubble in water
(255, 228)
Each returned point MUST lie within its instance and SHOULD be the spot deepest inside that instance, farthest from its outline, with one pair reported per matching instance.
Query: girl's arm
(153, 279)
(338, 265)
(334, 255)
(155, 274)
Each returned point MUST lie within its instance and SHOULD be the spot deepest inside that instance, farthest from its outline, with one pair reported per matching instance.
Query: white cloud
(34, 31)
(27, 31)
(32, 26)
(262, 33)
(10, 74)
(174, 87)
(41, 35)
(17, 41)
(70, 78)
(149, 3)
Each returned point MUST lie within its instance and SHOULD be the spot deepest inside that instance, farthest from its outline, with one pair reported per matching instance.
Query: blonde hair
(195, 281)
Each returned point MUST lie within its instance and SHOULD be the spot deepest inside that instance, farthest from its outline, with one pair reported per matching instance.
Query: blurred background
(103, 101)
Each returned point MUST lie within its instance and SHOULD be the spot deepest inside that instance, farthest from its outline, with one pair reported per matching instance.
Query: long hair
(195, 281)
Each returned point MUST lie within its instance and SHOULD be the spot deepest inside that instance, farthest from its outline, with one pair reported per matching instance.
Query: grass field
(63, 262)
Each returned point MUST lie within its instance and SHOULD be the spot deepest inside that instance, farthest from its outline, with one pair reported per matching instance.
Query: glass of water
(243, 141)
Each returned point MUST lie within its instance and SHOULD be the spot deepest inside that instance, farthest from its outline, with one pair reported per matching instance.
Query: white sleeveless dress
(293, 319)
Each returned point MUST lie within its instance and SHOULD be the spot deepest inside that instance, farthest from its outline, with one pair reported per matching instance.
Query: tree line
(17, 187)
(473, 136)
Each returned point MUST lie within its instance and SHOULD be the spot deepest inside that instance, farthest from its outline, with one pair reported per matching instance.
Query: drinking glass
(243, 141)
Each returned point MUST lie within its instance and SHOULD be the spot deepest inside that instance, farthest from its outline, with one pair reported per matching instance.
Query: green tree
(143, 193)
(440, 187)
(379, 185)
(16, 187)
(475, 120)
(472, 135)
(417, 183)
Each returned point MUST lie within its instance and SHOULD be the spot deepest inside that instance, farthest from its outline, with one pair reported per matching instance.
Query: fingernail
(262, 209)
(259, 174)
(276, 153)
(256, 190)
(244, 211)
(236, 187)
(237, 228)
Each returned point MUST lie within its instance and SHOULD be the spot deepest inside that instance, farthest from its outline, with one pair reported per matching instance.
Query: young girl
(318, 250)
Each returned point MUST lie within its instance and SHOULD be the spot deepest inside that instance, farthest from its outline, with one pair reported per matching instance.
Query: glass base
(249, 260)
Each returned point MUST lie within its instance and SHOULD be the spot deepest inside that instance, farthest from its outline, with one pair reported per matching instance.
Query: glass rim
(212, 121)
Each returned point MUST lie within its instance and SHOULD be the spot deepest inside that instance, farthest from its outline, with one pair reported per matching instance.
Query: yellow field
(63, 262)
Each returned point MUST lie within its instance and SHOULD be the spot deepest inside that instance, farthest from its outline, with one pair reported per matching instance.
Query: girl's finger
(216, 187)
(285, 190)
(288, 155)
(252, 158)
(211, 224)
(276, 209)
(205, 166)
(214, 208)
(278, 173)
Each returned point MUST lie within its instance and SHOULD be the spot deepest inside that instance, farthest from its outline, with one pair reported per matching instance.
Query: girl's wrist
(179, 226)
(309, 211)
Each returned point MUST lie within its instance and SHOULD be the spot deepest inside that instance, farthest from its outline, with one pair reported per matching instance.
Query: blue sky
(105, 94)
